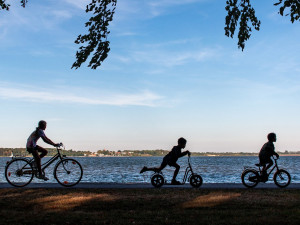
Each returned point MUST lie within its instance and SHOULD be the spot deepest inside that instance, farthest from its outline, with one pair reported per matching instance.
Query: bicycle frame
(187, 171)
(48, 163)
(271, 170)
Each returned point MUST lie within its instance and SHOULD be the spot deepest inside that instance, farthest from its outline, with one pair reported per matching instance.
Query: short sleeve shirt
(174, 154)
(34, 137)
(267, 150)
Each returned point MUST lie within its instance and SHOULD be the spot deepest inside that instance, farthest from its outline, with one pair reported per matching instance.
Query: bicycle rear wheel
(19, 172)
(282, 178)
(157, 180)
(250, 178)
(68, 172)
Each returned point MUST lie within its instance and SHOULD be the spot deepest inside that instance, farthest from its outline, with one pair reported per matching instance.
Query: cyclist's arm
(48, 141)
(273, 151)
(276, 154)
(184, 153)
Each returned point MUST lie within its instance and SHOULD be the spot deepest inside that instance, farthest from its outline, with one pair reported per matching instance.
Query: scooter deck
(174, 184)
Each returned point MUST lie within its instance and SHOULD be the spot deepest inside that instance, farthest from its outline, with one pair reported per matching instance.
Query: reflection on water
(126, 169)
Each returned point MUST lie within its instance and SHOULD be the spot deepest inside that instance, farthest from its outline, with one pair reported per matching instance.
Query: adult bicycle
(20, 171)
(252, 176)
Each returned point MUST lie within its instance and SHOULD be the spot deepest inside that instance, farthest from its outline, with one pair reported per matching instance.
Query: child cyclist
(265, 154)
(34, 149)
(171, 159)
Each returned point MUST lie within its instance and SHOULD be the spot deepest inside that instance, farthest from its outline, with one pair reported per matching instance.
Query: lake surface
(126, 169)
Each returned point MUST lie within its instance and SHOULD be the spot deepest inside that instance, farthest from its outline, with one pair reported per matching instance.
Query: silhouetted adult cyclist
(34, 149)
(171, 159)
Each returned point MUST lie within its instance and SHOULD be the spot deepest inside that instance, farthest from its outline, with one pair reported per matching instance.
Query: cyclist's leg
(263, 160)
(177, 168)
(37, 159)
(43, 151)
(162, 166)
(270, 163)
(155, 169)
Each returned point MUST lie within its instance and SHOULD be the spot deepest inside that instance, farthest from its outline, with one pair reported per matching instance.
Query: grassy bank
(149, 206)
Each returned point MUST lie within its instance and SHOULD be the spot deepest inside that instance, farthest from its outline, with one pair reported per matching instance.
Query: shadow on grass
(149, 206)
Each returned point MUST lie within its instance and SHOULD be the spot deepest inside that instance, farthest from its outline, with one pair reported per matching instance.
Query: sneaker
(42, 177)
(144, 169)
(156, 170)
(175, 182)
(264, 177)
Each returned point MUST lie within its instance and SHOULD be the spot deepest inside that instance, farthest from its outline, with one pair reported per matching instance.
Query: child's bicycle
(20, 171)
(158, 179)
(251, 176)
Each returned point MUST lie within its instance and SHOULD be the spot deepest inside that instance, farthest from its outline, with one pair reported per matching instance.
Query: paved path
(143, 185)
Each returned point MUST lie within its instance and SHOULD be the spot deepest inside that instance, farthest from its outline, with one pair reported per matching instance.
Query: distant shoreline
(281, 155)
(6, 152)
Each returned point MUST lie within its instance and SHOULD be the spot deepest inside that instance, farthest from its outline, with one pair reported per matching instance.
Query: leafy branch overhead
(95, 44)
(293, 6)
(96, 40)
(241, 14)
(5, 6)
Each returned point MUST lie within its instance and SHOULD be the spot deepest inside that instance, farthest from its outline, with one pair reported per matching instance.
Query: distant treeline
(103, 153)
(51, 152)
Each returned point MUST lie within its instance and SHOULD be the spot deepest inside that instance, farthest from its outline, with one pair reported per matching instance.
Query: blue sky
(171, 72)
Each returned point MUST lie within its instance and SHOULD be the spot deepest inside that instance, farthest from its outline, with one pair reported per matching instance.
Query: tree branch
(96, 40)
(3, 5)
(240, 11)
(293, 6)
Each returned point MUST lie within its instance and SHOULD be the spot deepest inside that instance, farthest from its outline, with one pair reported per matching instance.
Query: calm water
(126, 169)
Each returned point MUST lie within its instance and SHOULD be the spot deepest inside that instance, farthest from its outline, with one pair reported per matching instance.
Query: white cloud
(158, 7)
(144, 98)
(62, 14)
(133, 9)
(167, 58)
(124, 34)
(81, 4)
(167, 3)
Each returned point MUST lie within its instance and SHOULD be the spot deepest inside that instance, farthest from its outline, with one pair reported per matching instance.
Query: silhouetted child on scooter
(171, 159)
(265, 154)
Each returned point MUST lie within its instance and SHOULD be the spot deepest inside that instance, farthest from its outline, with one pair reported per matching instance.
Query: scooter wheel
(196, 180)
(157, 180)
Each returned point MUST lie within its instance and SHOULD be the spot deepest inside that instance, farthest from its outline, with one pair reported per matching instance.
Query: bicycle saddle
(258, 164)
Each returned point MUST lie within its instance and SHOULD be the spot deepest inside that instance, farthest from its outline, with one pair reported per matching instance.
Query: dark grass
(149, 206)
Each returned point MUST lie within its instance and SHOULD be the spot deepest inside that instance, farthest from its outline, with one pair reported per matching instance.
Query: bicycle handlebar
(60, 146)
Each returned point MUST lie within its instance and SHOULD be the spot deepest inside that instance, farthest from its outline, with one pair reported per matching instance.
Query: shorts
(167, 161)
(36, 148)
(263, 159)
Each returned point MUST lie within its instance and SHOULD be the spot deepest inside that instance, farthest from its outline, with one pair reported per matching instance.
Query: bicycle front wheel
(68, 172)
(282, 178)
(196, 180)
(19, 172)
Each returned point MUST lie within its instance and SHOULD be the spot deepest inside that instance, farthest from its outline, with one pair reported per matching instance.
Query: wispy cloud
(167, 3)
(167, 58)
(170, 59)
(158, 7)
(81, 4)
(124, 34)
(143, 98)
(145, 9)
